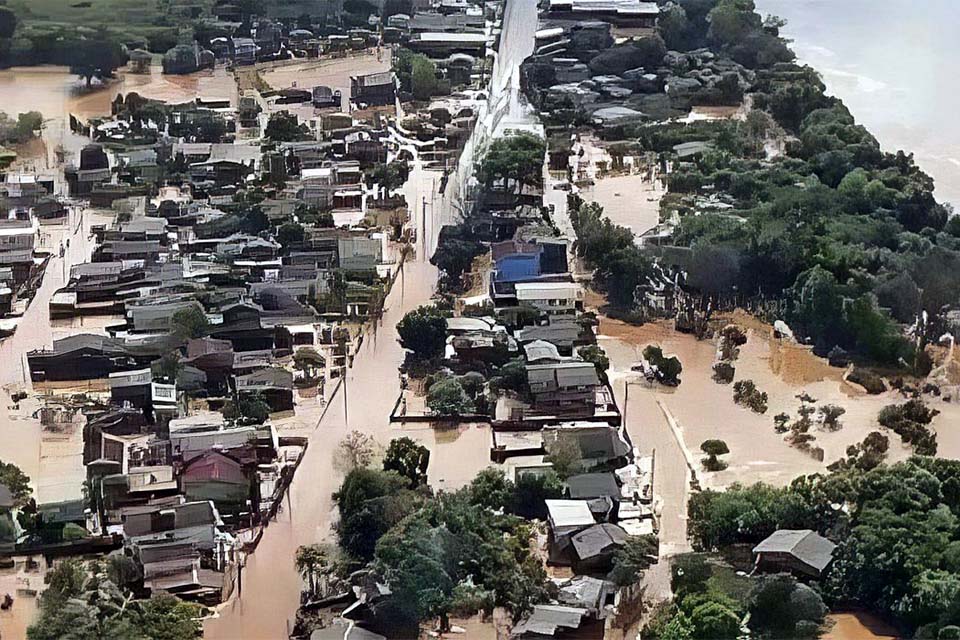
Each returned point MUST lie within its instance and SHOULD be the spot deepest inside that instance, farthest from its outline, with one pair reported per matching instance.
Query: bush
(633, 558)
(745, 393)
(909, 421)
(714, 448)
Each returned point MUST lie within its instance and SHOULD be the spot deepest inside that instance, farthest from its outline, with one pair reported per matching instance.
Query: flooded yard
(630, 201)
(334, 72)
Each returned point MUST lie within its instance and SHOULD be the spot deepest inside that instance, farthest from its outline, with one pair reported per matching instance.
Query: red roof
(215, 467)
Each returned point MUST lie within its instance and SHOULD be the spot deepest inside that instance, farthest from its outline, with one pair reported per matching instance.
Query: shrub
(745, 393)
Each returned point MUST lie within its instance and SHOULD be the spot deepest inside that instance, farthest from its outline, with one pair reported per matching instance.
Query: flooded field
(705, 409)
(55, 92)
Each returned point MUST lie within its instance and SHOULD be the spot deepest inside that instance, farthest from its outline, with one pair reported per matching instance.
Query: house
(244, 50)
(195, 523)
(565, 519)
(359, 253)
(439, 44)
(192, 435)
(218, 477)
(274, 384)
(564, 332)
(324, 97)
(799, 551)
(80, 357)
(598, 444)
(555, 621)
(553, 298)
(593, 548)
(16, 246)
(586, 486)
(564, 388)
(541, 352)
(375, 89)
(132, 386)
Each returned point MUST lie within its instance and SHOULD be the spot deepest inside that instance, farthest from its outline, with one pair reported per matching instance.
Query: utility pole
(423, 226)
(346, 419)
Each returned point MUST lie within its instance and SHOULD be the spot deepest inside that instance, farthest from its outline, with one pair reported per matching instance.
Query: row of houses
(228, 280)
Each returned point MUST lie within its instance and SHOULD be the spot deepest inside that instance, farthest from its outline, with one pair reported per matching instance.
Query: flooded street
(53, 461)
(270, 583)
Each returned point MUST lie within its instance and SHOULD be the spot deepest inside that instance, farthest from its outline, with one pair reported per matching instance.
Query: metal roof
(804, 544)
(569, 513)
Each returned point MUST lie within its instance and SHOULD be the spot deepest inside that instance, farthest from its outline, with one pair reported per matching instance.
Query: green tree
(564, 454)
(714, 448)
(531, 492)
(165, 617)
(454, 256)
(778, 604)
(423, 77)
(595, 354)
(189, 323)
(668, 368)
(409, 459)
(448, 398)
(290, 233)
(424, 332)
(713, 621)
(633, 558)
(285, 127)
(8, 22)
(491, 489)
(17, 482)
(516, 159)
(249, 409)
(97, 57)
(371, 502)
(312, 562)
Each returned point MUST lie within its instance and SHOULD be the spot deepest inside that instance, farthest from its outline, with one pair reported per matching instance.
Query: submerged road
(271, 586)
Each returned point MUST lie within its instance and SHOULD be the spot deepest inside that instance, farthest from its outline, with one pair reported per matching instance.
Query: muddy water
(859, 625)
(270, 584)
(56, 93)
(706, 410)
(332, 73)
(629, 201)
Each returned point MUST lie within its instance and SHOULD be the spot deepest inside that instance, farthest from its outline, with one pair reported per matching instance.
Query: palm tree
(312, 562)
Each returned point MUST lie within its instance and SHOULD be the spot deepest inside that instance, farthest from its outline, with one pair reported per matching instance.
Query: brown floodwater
(705, 409)
(56, 93)
(267, 606)
(858, 625)
(629, 201)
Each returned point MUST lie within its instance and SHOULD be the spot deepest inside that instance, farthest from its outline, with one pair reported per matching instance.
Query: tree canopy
(515, 160)
(423, 331)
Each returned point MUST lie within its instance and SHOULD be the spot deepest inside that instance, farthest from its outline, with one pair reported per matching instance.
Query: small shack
(799, 551)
